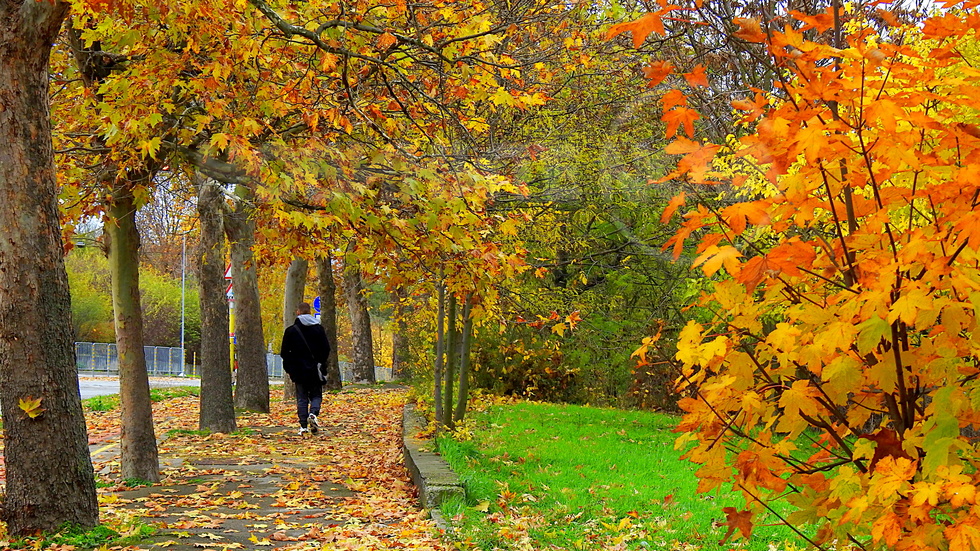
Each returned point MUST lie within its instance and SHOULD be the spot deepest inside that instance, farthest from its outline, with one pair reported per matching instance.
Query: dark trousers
(308, 400)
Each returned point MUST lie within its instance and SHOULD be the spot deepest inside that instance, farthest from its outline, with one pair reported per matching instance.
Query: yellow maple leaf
(257, 541)
(31, 406)
(715, 257)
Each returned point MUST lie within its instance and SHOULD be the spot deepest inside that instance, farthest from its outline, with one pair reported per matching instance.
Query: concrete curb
(430, 473)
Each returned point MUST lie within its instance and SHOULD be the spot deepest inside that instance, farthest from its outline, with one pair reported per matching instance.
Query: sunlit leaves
(842, 258)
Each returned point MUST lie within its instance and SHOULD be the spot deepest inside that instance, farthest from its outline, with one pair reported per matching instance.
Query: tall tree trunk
(440, 354)
(293, 294)
(360, 320)
(49, 471)
(217, 409)
(452, 342)
(138, 444)
(399, 336)
(252, 387)
(464, 361)
(328, 318)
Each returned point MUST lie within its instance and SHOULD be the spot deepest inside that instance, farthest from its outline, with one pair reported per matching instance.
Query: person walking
(304, 353)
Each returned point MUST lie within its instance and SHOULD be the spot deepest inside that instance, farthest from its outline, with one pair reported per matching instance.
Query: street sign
(228, 272)
(230, 292)
(316, 305)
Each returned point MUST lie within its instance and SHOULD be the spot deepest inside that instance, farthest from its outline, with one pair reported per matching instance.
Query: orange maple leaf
(641, 28)
(672, 99)
(697, 77)
(749, 30)
(678, 116)
(672, 206)
(657, 71)
(736, 215)
(753, 272)
(735, 519)
(386, 40)
(888, 445)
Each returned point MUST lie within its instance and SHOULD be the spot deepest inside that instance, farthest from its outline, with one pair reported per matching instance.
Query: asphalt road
(101, 386)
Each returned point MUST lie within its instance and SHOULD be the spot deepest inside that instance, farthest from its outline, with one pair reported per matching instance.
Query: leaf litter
(265, 486)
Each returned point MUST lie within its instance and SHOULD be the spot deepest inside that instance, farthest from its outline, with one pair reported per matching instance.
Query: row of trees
(378, 133)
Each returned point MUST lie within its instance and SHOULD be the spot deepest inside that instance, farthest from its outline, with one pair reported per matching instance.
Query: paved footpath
(267, 487)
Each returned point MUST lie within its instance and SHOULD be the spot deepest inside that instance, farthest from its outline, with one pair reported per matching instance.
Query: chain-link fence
(162, 361)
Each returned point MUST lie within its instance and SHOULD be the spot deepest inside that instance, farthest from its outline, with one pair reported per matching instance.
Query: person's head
(303, 308)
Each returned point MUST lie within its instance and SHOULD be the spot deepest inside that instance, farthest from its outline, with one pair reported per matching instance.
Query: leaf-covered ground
(265, 486)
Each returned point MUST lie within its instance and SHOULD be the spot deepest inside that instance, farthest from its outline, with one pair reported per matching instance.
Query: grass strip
(574, 477)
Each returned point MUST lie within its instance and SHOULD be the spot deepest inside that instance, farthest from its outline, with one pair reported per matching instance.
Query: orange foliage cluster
(840, 369)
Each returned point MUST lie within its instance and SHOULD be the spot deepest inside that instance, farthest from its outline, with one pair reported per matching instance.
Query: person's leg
(302, 404)
(316, 399)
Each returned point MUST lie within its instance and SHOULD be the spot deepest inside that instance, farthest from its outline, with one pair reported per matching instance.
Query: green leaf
(870, 333)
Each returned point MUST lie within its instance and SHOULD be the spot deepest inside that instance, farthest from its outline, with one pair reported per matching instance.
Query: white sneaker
(314, 424)
(303, 430)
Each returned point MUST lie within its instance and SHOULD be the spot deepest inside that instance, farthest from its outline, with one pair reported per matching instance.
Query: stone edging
(430, 473)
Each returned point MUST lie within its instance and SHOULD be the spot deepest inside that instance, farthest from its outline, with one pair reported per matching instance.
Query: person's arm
(286, 348)
(324, 345)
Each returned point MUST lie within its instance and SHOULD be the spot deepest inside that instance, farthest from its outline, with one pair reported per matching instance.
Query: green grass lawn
(543, 476)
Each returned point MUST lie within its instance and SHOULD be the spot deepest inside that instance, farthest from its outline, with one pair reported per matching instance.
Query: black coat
(298, 359)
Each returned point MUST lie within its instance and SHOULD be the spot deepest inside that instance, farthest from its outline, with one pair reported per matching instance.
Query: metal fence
(346, 369)
(98, 357)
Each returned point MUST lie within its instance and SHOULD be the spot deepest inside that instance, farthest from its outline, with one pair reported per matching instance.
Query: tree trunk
(328, 318)
(49, 472)
(464, 361)
(293, 295)
(452, 342)
(360, 320)
(217, 409)
(399, 336)
(252, 387)
(138, 444)
(440, 354)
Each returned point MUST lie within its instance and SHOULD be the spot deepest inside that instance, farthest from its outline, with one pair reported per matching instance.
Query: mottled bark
(217, 409)
(399, 335)
(328, 318)
(440, 355)
(252, 386)
(464, 361)
(138, 443)
(293, 295)
(49, 479)
(452, 343)
(360, 318)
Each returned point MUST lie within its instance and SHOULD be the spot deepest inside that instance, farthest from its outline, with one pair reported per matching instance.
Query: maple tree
(45, 442)
(837, 368)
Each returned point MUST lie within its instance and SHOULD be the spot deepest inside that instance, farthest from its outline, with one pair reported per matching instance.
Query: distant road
(100, 386)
